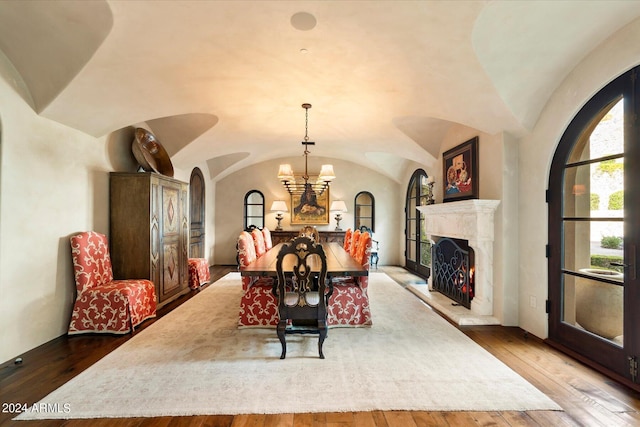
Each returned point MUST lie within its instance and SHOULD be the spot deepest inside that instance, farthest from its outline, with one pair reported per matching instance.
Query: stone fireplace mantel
(471, 220)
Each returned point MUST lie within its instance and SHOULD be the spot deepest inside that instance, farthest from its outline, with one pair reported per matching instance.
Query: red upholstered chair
(198, 272)
(102, 303)
(349, 303)
(347, 239)
(258, 241)
(266, 233)
(355, 237)
(258, 306)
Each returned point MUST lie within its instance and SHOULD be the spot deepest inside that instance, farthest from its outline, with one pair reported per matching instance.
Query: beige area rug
(194, 361)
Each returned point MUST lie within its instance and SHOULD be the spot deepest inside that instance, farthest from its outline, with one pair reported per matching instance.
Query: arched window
(418, 247)
(364, 210)
(254, 209)
(594, 229)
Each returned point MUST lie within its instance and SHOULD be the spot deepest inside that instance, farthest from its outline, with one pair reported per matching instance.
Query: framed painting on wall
(309, 207)
(460, 170)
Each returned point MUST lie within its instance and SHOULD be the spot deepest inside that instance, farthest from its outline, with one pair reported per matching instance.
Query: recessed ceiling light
(303, 21)
(304, 51)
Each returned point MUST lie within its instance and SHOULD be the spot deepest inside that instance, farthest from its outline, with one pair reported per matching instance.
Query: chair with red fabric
(103, 304)
(258, 241)
(199, 274)
(258, 306)
(268, 242)
(355, 240)
(349, 303)
(347, 239)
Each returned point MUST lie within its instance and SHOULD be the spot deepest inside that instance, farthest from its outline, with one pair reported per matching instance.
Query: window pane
(411, 209)
(592, 244)
(363, 199)
(606, 138)
(255, 198)
(595, 190)
(411, 250)
(594, 306)
(364, 211)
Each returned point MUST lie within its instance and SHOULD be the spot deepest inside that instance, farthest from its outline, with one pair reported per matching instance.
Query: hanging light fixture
(287, 177)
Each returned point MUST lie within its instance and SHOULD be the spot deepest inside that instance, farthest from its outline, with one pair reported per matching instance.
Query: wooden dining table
(339, 263)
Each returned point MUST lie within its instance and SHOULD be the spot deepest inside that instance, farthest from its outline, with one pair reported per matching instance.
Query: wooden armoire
(149, 231)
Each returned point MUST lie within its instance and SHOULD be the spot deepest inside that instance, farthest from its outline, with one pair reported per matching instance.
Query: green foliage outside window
(616, 200)
(610, 166)
(611, 242)
(595, 202)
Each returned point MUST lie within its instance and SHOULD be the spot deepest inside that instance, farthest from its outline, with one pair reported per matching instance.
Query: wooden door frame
(197, 202)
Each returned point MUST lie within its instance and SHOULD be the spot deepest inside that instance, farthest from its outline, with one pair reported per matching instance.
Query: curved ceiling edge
(427, 132)
(217, 165)
(508, 37)
(49, 43)
(176, 132)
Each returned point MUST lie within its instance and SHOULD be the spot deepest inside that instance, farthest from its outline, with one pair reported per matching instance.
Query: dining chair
(347, 239)
(355, 240)
(104, 304)
(258, 305)
(375, 246)
(348, 304)
(310, 232)
(268, 242)
(258, 241)
(302, 307)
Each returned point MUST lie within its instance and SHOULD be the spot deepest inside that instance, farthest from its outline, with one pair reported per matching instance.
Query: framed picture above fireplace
(460, 170)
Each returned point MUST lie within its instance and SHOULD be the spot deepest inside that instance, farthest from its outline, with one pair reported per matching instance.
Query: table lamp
(279, 206)
(338, 206)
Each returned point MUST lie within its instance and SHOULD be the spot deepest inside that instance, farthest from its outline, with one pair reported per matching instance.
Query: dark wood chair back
(302, 298)
(310, 232)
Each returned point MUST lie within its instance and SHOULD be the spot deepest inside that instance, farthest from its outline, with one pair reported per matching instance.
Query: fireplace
(453, 269)
(472, 221)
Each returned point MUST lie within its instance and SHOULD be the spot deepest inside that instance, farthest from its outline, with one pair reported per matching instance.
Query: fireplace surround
(470, 220)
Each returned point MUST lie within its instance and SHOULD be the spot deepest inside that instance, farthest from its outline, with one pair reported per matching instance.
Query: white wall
(54, 183)
(351, 179)
(613, 57)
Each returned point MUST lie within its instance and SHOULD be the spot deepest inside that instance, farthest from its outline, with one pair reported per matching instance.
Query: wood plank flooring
(587, 397)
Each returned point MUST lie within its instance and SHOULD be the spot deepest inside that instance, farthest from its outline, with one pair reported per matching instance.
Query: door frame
(594, 351)
(415, 266)
(197, 214)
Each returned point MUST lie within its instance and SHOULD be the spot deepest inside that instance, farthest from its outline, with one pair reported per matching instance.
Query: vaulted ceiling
(223, 81)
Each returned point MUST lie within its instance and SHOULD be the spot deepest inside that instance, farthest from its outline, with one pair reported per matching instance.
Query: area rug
(195, 361)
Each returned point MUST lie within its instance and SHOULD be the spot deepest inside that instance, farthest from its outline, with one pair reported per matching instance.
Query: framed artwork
(460, 170)
(310, 208)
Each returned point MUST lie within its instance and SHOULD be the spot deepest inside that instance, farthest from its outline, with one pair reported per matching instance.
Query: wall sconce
(338, 206)
(279, 206)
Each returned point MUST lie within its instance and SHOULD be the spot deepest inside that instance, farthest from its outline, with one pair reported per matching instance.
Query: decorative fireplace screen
(453, 270)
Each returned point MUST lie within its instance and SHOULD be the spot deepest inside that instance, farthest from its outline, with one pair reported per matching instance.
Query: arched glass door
(594, 230)
(417, 247)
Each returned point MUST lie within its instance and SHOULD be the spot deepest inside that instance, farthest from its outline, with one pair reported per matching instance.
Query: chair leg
(322, 332)
(282, 325)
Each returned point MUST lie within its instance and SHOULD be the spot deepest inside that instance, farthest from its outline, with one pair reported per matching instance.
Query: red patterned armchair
(258, 241)
(102, 303)
(349, 303)
(347, 239)
(355, 240)
(258, 306)
(268, 243)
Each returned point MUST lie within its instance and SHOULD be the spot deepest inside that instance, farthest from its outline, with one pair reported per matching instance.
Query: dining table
(339, 263)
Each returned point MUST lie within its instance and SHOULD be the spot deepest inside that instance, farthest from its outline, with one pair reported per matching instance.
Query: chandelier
(303, 185)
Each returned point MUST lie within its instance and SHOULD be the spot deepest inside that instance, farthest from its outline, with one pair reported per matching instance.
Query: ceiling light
(302, 185)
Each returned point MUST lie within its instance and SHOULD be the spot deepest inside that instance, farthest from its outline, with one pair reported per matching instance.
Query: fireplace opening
(453, 270)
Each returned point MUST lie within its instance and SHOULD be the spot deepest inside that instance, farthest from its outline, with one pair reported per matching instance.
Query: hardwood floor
(587, 397)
